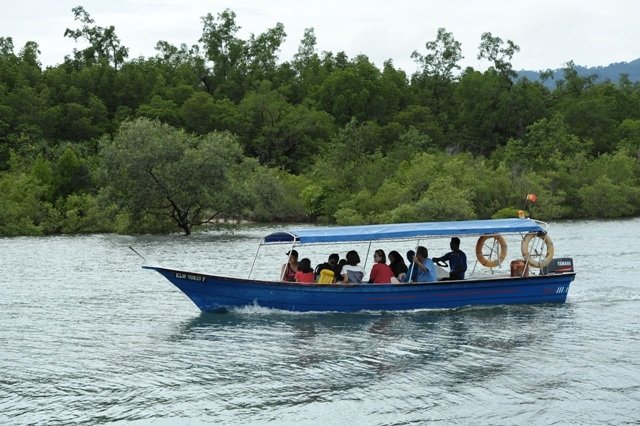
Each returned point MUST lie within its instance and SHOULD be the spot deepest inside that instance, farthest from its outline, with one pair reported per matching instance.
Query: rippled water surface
(87, 336)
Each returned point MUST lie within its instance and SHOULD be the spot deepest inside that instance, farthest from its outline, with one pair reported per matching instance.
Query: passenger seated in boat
(412, 270)
(397, 265)
(427, 272)
(457, 260)
(352, 273)
(342, 262)
(289, 269)
(305, 275)
(381, 273)
(332, 265)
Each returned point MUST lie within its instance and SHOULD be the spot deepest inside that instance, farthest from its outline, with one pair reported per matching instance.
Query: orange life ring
(489, 260)
(540, 261)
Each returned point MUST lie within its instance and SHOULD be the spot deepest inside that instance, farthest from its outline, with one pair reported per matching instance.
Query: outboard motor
(558, 266)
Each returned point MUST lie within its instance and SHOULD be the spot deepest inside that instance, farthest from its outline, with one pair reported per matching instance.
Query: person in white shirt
(352, 273)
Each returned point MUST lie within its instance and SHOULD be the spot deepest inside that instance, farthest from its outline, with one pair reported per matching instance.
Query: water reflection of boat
(213, 293)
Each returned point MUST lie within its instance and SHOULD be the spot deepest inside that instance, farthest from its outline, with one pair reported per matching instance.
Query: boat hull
(218, 294)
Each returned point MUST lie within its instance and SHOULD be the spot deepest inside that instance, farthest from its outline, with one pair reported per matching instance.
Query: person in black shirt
(396, 262)
(456, 258)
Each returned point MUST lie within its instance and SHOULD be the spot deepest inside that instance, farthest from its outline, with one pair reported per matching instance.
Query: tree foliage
(104, 44)
(223, 128)
(159, 170)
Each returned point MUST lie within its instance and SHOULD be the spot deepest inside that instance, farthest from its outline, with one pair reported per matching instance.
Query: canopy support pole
(366, 258)
(412, 262)
(254, 260)
(284, 268)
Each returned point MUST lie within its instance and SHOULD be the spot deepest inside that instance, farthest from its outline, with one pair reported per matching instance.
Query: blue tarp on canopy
(402, 230)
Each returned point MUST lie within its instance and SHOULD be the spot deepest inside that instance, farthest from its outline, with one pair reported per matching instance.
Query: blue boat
(521, 285)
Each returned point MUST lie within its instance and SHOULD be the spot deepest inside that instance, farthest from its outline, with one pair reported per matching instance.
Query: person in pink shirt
(305, 274)
(381, 273)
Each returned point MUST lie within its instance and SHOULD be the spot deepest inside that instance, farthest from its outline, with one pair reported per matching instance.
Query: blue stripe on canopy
(402, 230)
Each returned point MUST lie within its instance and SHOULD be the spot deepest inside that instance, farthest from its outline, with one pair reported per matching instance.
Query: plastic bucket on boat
(519, 268)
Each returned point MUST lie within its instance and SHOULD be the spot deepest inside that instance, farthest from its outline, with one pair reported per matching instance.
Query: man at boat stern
(426, 269)
(457, 260)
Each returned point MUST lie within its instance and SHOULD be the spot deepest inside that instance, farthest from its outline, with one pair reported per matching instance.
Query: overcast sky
(549, 32)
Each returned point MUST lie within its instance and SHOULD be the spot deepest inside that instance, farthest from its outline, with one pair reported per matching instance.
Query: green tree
(161, 171)
(227, 54)
(262, 53)
(22, 209)
(356, 91)
(70, 174)
(476, 125)
(500, 54)
(279, 134)
(273, 194)
(308, 69)
(573, 84)
(80, 213)
(445, 200)
(594, 116)
(606, 199)
(104, 44)
(445, 54)
(628, 133)
(434, 82)
(161, 109)
(545, 139)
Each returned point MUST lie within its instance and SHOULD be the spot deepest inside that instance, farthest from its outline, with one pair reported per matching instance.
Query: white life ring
(529, 246)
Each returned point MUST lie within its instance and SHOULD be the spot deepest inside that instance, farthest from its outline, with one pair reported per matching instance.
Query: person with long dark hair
(289, 269)
(397, 265)
(381, 273)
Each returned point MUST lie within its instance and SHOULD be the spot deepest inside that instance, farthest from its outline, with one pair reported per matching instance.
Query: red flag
(532, 197)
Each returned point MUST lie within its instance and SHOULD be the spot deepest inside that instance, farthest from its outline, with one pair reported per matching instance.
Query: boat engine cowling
(558, 266)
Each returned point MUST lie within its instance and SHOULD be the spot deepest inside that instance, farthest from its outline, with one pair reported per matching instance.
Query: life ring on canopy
(497, 250)
(537, 258)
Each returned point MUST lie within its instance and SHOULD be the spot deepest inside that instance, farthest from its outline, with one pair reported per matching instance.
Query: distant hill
(610, 72)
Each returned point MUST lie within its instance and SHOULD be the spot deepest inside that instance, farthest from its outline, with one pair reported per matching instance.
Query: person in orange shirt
(305, 274)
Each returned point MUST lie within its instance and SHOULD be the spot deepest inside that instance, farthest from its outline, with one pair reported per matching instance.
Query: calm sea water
(88, 337)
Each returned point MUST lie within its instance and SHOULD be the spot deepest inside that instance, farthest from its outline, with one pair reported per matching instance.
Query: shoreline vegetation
(223, 128)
